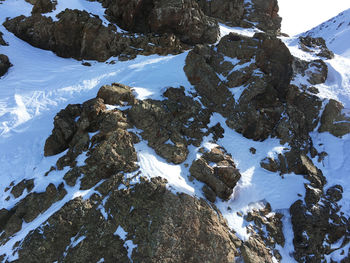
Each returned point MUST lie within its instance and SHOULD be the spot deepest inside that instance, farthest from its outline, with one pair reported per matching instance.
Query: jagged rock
(4, 64)
(295, 161)
(228, 12)
(116, 94)
(260, 70)
(64, 129)
(317, 72)
(43, 6)
(2, 41)
(333, 120)
(28, 209)
(220, 178)
(265, 14)
(108, 152)
(318, 224)
(314, 45)
(18, 189)
(183, 18)
(164, 227)
(268, 225)
(81, 36)
(169, 126)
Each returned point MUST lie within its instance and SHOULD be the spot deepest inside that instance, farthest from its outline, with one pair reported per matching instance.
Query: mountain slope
(336, 32)
(219, 152)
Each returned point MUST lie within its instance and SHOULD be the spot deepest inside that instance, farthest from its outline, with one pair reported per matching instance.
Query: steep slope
(336, 32)
(233, 151)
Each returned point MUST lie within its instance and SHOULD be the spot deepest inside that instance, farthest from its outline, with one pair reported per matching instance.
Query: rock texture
(182, 18)
(171, 125)
(42, 6)
(333, 120)
(218, 171)
(164, 227)
(247, 80)
(319, 228)
(77, 34)
(316, 45)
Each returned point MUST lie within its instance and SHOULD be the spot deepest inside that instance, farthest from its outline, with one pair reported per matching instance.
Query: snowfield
(40, 84)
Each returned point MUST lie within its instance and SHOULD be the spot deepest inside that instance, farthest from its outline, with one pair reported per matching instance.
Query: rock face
(247, 80)
(171, 125)
(218, 171)
(265, 14)
(183, 18)
(76, 34)
(43, 6)
(164, 227)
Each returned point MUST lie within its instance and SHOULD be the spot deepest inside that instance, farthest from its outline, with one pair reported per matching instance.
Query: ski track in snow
(40, 84)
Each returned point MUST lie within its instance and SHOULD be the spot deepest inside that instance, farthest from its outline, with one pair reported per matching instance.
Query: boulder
(2, 41)
(4, 64)
(219, 173)
(334, 120)
(116, 94)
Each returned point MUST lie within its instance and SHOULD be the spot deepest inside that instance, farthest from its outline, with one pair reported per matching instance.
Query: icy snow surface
(40, 84)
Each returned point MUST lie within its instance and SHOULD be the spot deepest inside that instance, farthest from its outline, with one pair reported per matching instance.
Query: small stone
(252, 150)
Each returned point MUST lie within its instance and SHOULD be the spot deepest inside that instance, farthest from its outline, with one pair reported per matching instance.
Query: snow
(225, 30)
(40, 84)
(336, 32)
(121, 233)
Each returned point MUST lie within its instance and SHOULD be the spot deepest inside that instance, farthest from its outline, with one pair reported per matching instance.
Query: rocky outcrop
(144, 223)
(333, 120)
(316, 46)
(4, 64)
(219, 173)
(171, 125)
(265, 14)
(27, 210)
(81, 36)
(247, 80)
(42, 6)
(319, 227)
(2, 41)
(183, 18)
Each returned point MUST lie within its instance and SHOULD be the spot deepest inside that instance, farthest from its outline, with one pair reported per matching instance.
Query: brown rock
(116, 94)
(333, 120)
(219, 179)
